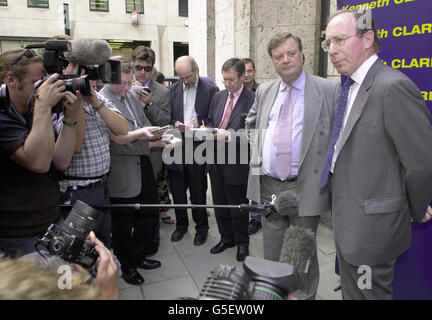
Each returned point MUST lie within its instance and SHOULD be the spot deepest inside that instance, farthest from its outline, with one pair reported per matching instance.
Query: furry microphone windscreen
(299, 246)
(89, 52)
(287, 203)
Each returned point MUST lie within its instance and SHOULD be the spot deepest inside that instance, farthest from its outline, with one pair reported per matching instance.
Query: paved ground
(185, 266)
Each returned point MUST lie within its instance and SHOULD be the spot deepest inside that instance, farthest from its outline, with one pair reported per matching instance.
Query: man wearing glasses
(29, 150)
(155, 100)
(132, 180)
(378, 164)
(190, 103)
(289, 126)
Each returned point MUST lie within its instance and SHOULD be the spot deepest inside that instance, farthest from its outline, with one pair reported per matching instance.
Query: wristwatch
(71, 123)
(99, 106)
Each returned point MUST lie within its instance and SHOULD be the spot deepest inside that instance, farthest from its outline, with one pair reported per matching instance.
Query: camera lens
(81, 83)
(225, 283)
(81, 220)
(272, 280)
(266, 290)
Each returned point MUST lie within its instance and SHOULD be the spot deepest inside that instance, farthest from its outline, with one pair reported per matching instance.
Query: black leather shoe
(132, 276)
(254, 226)
(149, 264)
(242, 252)
(200, 238)
(177, 235)
(220, 247)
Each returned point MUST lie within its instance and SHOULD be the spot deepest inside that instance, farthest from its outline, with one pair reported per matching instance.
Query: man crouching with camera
(29, 152)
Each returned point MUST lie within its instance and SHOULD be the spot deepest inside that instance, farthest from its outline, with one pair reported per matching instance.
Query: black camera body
(259, 280)
(68, 241)
(53, 59)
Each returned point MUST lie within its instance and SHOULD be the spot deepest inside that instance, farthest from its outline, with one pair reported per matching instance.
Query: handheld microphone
(299, 246)
(287, 203)
(89, 52)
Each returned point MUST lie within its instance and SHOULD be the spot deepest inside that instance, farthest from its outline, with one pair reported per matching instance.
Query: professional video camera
(68, 241)
(92, 55)
(259, 280)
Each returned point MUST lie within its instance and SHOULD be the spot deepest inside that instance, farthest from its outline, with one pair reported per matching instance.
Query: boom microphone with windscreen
(287, 203)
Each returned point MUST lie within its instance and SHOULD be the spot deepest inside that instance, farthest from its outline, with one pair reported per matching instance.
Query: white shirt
(358, 77)
(269, 148)
(189, 95)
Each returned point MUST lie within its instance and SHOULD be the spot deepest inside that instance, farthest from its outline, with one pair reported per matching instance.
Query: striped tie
(228, 112)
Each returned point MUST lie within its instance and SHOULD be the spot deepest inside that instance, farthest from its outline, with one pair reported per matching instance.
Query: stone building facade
(221, 29)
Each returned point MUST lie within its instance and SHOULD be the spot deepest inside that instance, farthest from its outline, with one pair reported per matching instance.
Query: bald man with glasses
(190, 103)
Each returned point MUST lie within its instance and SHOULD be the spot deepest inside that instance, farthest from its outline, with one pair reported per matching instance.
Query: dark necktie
(337, 126)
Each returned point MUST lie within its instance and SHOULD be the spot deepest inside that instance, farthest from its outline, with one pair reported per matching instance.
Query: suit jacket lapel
(312, 109)
(220, 106)
(359, 104)
(199, 99)
(179, 102)
(117, 102)
(270, 98)
(238, 108)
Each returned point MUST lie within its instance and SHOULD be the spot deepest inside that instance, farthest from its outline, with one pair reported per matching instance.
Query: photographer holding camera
(30, 278)
(29, 152)
(87, 175)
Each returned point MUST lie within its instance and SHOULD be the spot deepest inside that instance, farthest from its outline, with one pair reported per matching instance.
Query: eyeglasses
(145, 68)
(337, 41)
(29, 54)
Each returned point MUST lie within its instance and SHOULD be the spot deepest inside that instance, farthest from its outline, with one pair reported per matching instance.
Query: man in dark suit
(378, 164)
(190, 102)
(228, 111)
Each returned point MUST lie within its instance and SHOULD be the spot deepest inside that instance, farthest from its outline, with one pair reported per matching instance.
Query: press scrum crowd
(360, 150)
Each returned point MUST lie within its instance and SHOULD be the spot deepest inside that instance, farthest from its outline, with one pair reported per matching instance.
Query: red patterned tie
(228, 112)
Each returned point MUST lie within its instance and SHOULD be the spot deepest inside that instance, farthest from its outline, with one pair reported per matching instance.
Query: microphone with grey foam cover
(299, 247)
(287, 203)
(89, 51)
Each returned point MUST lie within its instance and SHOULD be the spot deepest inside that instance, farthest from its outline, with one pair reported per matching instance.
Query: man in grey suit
(155, 100)
(132, 180)
(378, 163)
(298, 109)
